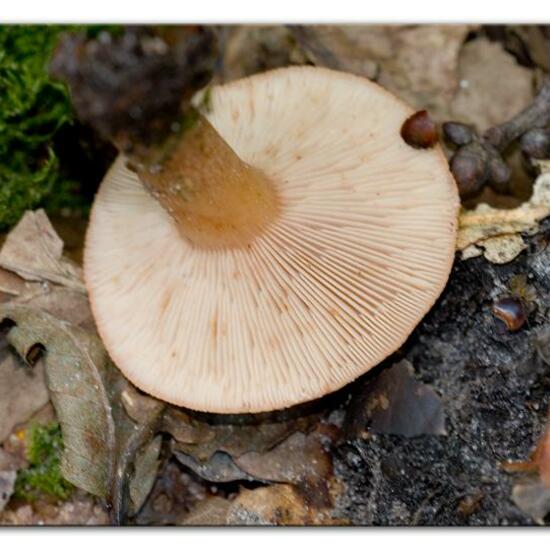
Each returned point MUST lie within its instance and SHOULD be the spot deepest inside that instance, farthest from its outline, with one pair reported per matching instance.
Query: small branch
(479, 160)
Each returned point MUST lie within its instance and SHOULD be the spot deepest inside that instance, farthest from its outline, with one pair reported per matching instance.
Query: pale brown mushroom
(280, 261)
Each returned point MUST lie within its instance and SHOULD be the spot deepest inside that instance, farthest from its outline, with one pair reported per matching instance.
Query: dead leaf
(533, 38)
(146, 466)
(493, 86)
(249, 49)
(336, 47)
(9, 464)
(173, 496)
(7, 484)
(82, 510)
(266, 451)
(532, 498)
(495, 233)
(274, 505)
(11, 284)
(23, 391)
(9, 461)
(34, 251)
(63, 303)
(219, 468)
(418, 63)
(201, 439)
(210, 512)
(300, 460)
(395, 402)
(101, 442)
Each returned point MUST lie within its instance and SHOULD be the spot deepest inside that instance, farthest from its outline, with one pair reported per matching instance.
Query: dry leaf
(63, 303)
(299, 460)
(531, 39)
(249, 49)
(337, 47)
(9, 464)
(7, 484)
(416, 62)
(22, 392)
(12, 284)
(174, 495)
(34, 251)
(82, 510)
(101, 442)
(493, 87)
(495, 233)
(274, 505)
(210, 512)
(219, 468)
(146, 466)
(533, 498)
(201, 439)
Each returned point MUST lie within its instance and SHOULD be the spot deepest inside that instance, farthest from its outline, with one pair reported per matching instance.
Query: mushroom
(287, 243)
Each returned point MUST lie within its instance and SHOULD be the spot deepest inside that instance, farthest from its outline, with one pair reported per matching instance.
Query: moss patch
(43, 479)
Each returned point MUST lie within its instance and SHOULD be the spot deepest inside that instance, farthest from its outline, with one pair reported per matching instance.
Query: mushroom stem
(216, 199)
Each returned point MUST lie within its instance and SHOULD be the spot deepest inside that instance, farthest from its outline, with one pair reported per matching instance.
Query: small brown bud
(511, 311)
(419, 131)
(458, 133)
(536, 143)
(499, 174)
(469, 168)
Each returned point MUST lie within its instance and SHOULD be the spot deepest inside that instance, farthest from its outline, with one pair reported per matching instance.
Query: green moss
(35, 117)
(34, 108)
(42, 478)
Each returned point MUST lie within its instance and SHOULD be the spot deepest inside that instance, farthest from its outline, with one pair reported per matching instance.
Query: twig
(479, 160)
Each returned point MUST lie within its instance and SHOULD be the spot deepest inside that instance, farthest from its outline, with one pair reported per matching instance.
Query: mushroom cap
(360, 251)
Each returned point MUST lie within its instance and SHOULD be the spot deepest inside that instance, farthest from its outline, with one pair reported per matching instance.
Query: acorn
(419, 131)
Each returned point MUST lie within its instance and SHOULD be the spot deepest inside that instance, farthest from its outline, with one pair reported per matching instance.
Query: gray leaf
(101, 441)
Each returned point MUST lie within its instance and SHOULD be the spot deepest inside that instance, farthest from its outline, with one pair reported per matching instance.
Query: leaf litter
(288, 459)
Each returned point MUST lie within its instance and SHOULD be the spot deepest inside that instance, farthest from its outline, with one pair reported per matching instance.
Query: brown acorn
(419, 131)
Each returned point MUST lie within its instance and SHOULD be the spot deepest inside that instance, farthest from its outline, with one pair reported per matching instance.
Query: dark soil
(495, 388)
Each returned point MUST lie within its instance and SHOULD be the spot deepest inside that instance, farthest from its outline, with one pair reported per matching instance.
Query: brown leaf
(145, 472)
(493, 86)
(533, 498)
(34, 251)
(174, 495)
(63, 303)
(11, 284)
(249, 49)
(219, 468)
(23, 391)
(7, 484)
(419, 63)
(82, 510)
(535, 38)
(101, 442)
(201, 439)
(274, 505)
(299, 460)
(336, 47)
(209, 512)
(214, 451)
